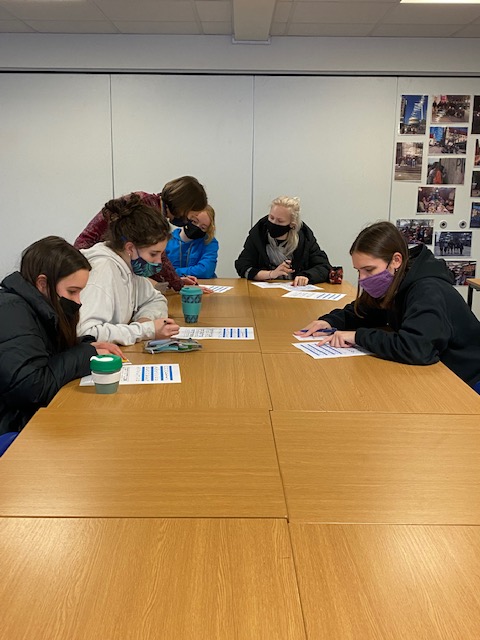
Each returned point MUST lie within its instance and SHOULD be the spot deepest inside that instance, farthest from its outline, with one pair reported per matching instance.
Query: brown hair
(54, 258)
(381, 240)
(183, 195)
(130, 220)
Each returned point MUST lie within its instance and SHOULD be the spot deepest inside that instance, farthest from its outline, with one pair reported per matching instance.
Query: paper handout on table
(314, 295)
(216, 333)
(143, 374)
(268, 285)
(216, 288)
(305, 287)
(326, 351)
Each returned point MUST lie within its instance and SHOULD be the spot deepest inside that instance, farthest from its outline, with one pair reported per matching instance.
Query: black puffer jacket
(430, 321)
(32, 368)
(307, 260)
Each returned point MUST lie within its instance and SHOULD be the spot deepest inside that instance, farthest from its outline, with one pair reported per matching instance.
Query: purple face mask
(378, 284)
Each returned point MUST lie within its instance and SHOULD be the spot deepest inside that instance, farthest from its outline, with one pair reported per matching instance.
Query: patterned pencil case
(171, 344)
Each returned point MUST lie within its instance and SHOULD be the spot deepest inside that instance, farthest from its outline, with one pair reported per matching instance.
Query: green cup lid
(190, 290)
(107, 363)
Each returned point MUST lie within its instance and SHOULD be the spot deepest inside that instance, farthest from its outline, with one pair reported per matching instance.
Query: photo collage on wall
(438, 126)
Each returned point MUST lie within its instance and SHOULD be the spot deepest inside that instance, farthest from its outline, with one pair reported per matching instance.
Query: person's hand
(189, 280)
(311, 328)
(205, 288)
(300, 281)
(339, 339)
(103, 348)
(165, 328)
(283, 269)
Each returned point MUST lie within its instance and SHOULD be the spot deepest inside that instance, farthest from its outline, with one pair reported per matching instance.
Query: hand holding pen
(317, 326)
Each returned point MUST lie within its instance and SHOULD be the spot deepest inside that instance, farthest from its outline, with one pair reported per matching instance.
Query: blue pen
(329, 331)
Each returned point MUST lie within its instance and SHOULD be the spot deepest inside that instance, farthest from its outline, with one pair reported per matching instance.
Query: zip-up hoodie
(429, 321)
(115, 298)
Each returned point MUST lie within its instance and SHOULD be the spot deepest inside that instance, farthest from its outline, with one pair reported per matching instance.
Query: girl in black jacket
(280, 246)
(39, 349)
(408, 310)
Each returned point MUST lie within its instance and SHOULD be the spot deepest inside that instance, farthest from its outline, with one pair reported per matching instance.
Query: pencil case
(172, 344)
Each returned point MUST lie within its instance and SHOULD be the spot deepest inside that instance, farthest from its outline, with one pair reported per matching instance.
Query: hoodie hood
(423, 264)
(100, 253)
(15, 283)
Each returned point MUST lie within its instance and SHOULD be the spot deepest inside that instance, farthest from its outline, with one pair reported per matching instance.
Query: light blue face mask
(142, 267)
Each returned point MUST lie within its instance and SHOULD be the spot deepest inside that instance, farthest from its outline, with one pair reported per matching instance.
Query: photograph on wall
(413, 115)
(476, 115)
(476, 160)
(416, 231)
(475, 188)
(462, 270)
(453, 244)
(475, 216)
(446, 171)
(435, 200)
(408, 161)
(451, 140)
(450, 109)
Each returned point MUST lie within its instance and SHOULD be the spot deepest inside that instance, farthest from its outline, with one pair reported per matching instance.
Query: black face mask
(69, 307)
(193, 232)
(178, 222)
(277, 230)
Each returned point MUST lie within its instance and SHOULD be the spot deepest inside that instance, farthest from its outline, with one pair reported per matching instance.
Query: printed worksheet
(216, 288)
(326, 351)
(314, 295)
(216, 333)
(268, 285)
(306, 287)
(143, 374)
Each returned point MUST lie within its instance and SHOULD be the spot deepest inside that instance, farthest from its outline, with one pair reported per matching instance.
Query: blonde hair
(293, 205)
(210, 211)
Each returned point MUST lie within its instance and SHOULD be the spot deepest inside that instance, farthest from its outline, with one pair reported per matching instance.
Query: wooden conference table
(473, 285)
(269, 495)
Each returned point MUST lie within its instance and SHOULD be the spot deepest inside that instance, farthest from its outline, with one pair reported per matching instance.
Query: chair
(6, 440)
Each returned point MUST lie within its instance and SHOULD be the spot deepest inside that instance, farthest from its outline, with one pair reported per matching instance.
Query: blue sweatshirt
(193, 258)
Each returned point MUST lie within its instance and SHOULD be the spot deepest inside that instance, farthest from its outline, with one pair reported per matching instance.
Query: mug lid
(107, 363)
(191, 289)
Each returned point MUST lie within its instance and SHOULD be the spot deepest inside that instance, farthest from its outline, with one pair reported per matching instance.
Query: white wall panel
(168, 126)
(328, 141)
(55, 157)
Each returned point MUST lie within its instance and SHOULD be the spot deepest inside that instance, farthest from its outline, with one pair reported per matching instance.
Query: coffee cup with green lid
(106, 371)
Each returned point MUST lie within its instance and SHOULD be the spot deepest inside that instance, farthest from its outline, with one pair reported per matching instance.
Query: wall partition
(71, 141)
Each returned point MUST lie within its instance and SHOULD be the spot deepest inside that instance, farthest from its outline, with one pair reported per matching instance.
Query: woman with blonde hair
(281, 246)
(193, 249)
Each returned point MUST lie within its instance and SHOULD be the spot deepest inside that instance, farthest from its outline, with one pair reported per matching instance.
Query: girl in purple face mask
(407, 309)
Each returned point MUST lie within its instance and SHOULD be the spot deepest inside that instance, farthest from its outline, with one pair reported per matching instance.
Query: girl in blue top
(193, 249)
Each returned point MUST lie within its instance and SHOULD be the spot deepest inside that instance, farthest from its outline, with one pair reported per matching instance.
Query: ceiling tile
(414, 30)
(428, 14)
(282, 11)
(153, 27)
(470, 31)
(347, 30)
(278, 29)
(133, 10)
(339, 12)
(34, 10)
(14, 26)
(217, 28)
(72, 26)
(214, 11)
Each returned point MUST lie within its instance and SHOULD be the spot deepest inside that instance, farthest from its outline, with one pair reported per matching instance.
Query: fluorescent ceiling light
(440, 1)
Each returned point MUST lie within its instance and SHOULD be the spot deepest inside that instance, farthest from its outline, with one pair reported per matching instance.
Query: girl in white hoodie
(119, 303)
